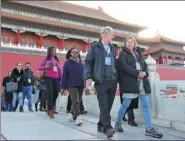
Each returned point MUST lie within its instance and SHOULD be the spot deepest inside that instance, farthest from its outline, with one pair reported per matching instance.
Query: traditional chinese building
(28, 27)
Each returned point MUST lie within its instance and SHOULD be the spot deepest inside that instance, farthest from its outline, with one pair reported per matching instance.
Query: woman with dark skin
(51, 78)
(73, 81)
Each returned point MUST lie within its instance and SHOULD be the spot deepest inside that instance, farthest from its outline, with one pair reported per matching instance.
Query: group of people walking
(102, 68)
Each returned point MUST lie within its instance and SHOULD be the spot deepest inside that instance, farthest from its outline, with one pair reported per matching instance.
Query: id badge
(29, 80)
(55, 69)
(138, 67)
(107, 61)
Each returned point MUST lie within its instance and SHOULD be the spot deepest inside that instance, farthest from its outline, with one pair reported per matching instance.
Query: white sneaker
(70, 117)
(78, 121)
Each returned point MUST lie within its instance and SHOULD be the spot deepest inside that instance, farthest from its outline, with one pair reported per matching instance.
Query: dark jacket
(129, 74)
(73, 75)
(41, 85)
(15, 74)
(95, 62)
(28, 74)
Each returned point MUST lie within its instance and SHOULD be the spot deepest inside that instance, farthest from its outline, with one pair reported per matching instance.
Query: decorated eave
(66, 25)
(163, 38)
(162, 48)
(61, 6)
(79, 11)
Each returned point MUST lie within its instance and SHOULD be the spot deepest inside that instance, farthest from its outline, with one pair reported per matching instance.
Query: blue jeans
(145, 106)
(18, 95)
(27, 91)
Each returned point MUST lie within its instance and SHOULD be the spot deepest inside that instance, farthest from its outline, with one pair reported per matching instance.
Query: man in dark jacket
(28, 85)
(100, 66)
(8, 96)
(18, 76)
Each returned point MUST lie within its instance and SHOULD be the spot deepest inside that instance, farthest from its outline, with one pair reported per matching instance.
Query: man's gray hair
(105, 30)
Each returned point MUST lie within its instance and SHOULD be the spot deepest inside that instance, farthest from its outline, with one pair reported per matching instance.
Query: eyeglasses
(75, 52)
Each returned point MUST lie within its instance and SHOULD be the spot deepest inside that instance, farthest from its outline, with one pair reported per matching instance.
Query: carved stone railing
(28, 49)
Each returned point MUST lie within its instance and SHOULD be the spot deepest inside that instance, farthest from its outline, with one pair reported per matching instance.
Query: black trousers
(42, 99)
(52, 89)
(69, 105)
(106, 94)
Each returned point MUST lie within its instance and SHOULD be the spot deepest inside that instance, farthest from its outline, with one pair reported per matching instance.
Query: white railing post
(153, 76)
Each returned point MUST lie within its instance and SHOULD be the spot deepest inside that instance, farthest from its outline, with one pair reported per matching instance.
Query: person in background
(100, 67)
(82, 110)
(145, 53)
(134, 83)
(52, 78)
(18, 76)
(73, 81)
(28, 84)
(40, 85)
(8, 96)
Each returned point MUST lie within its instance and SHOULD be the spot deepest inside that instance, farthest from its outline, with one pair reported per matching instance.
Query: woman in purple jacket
(52, 78)
(73, 81)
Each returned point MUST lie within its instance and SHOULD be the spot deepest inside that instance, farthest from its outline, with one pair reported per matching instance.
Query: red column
(160, 60)
(89, 44)
(172, 60)
(117, 51)
(17, 38)
(61, 43)
(40, 44)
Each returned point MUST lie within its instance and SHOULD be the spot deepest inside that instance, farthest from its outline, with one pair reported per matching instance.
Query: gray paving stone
(37, 126)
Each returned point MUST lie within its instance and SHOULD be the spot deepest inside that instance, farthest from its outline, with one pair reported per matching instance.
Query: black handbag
(11, 87)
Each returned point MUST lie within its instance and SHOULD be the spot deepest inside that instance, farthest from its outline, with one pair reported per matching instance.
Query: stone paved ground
(37, 126)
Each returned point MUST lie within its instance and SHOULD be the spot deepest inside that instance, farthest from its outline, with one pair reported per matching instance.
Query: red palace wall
(9, 61)
(171, 73)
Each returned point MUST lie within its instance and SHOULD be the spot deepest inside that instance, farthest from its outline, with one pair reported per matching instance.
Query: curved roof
(160, 48)
(70, 8)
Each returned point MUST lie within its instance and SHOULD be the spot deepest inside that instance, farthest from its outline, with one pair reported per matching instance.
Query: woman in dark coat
(133, 104)
(18, 76)
(134, 83)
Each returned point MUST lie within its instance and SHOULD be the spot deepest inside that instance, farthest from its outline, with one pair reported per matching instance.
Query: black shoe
(153, 133)
(36, 110)
(118, 127)
(100, 129)
(55, 112)
(124, 119)
(109, 132)
(132, 123)
(83, 112)
(14, 109)
(30, 110)
(40, 109)
(21, 109)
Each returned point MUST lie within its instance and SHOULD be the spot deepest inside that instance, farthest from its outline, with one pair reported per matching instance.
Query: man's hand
(62, 91)
(88, 82)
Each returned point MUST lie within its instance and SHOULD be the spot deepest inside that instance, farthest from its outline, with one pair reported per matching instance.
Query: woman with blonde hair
(134, 83)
